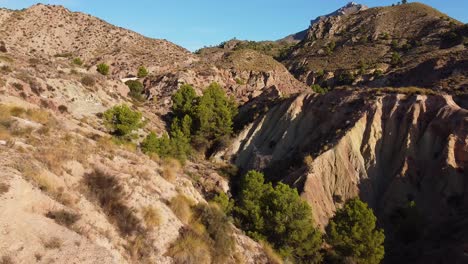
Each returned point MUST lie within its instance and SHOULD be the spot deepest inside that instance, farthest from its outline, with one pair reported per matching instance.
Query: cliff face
(389, 150)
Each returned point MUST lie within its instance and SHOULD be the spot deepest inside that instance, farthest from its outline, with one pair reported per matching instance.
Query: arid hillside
(49, 33)
(411, 44)
(388, 149)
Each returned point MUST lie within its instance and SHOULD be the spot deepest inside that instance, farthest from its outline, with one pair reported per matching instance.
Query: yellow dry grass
(152, 216)
(170, 169)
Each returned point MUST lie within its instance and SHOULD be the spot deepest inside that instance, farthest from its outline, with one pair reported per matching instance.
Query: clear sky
(196, 23)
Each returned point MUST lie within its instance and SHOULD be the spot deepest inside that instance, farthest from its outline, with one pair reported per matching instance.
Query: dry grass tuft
(152, 216)
(34, 174)
(181, 207)
(63, 217)
(53, 243)
(171, 167)
(190, 248)
(273, 257)
(108, 193)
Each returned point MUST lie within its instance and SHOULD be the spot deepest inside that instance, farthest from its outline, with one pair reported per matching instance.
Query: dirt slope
(44, 32)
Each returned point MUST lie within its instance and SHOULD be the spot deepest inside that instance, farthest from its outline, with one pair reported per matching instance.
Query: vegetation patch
(63, 217)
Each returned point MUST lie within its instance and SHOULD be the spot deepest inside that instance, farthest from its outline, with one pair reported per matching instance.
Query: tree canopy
(278, 215)
(353, 234)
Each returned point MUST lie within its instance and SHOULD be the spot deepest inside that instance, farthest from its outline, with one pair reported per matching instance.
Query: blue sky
(196, 23)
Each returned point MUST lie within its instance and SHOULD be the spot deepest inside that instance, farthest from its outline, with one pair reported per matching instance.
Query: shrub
(77, 61)
(378, 73)
(88, 80)
(279, 216)
(53, 243)
(142, 72)
(353, 234)
(184, 101)
(240, 81)
(219, 230)
(346, 78)
(63, 109)
(318, 89)
(103, 69)
(177, 147)
(215, 113)
(18, 86)
(396, 59)
(151, 216)
(136, 89)
(181, 207)
(225, 203)
(108, 193)
(63, 217)
(122, 120)
(190, 248)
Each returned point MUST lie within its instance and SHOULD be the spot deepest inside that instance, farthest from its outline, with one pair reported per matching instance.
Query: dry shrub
(151, 216)
(171, 167)
(59, 150)
(108, 193)
(273, 257)
(53, 243)
(190, 248)
(6, 260)
(309, 161)
(219, 231)
(38, 177)
(181, 207)
(63, 217)
(4, 188)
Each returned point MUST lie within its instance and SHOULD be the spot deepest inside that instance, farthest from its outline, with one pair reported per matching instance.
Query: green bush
(177, 146)
(353, 234)
(215, 113)
(346, 78)
(224, 202)
(77, 61)
(184, 101)
(396, 59)
(136, 89)
(319, 89)
(103, 69)
(142, 72)
(122, 120)
(279, 216)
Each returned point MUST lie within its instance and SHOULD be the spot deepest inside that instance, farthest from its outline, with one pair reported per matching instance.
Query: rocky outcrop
(389, 150)
(244, 74)
(348, 9)
(411, 44)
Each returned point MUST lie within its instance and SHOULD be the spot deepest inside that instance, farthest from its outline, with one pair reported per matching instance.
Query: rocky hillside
(246, 74)
(388, 149)
(50, 33)
(348, 9)
(68, 190)
(410, 44)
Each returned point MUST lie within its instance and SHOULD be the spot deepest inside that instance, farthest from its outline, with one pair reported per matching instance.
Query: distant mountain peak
(350, 8)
